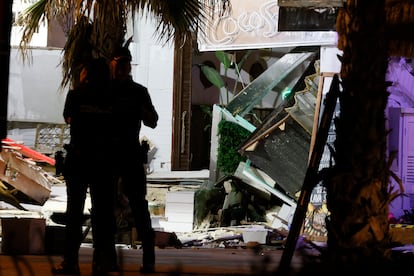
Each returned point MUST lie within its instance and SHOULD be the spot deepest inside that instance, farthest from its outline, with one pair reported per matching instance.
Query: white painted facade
(35, 94)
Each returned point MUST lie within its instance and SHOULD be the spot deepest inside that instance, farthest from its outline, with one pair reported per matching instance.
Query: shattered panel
(283, 155)
(282, 75)
(303, 110)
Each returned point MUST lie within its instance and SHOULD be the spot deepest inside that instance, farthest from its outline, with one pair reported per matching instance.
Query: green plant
(231, 136)
(228, 62)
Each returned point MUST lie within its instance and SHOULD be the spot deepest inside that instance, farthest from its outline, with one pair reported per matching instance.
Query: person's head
(94, 71)
(121, 64)
(98, 71)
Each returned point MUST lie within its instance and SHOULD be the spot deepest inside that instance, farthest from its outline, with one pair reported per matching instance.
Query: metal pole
(311, 177)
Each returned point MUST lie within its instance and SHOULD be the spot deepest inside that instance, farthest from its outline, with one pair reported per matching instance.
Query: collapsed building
(265, 185)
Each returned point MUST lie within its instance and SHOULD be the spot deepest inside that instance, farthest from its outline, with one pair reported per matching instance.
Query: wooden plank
(306, 19)
(311, 3)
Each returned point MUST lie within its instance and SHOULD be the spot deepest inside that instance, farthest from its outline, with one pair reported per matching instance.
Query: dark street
(169, 261)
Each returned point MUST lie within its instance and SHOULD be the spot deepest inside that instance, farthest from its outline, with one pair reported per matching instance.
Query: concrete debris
(25, 176)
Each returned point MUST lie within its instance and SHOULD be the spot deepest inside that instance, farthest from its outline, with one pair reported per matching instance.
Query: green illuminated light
(286, 93)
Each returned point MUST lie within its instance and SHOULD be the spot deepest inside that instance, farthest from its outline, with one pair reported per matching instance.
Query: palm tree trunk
(358, 185)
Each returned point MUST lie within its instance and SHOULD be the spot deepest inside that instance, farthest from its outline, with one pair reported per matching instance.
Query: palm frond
(41, 12)
(180, 19)
(31, 18)
(96, 28)
(78, 49)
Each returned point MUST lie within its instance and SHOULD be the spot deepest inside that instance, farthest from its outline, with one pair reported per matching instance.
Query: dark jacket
(89, 110)
(132, 106)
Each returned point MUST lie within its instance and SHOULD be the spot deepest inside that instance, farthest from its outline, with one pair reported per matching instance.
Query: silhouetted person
(88, 164)
(132, 106)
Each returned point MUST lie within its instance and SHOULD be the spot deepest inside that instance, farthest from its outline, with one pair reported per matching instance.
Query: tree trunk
(358, 183)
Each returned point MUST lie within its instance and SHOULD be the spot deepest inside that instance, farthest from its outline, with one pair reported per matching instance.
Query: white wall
(155, 69)
(34, 93)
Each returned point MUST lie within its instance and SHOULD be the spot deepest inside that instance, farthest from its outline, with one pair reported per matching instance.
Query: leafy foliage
(227, 60)
(231, 136)
(106, 24)
(213, 76)
(223, 58)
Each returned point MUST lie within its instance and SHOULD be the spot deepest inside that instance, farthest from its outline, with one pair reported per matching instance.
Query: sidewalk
(169, 261)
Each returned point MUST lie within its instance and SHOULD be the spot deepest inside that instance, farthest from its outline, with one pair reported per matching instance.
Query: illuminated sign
(254, 25)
